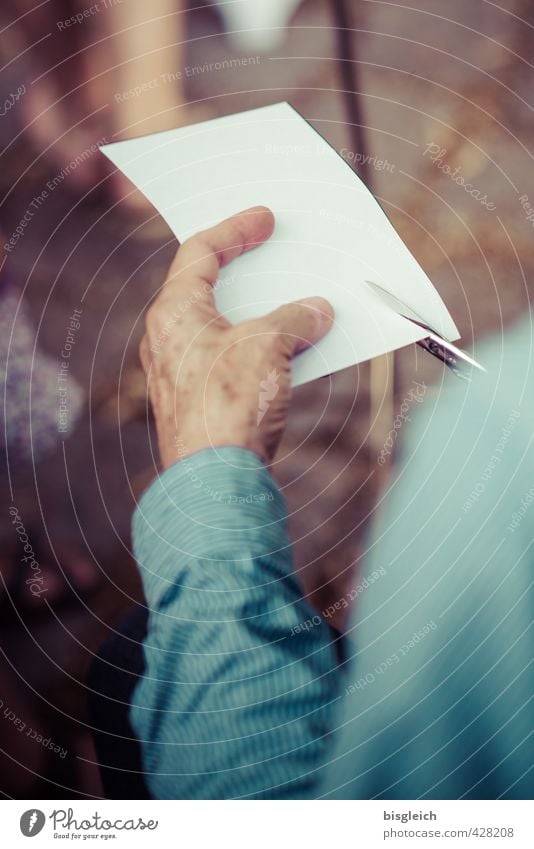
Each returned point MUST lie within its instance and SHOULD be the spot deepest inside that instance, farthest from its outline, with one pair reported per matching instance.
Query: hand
(212, 383)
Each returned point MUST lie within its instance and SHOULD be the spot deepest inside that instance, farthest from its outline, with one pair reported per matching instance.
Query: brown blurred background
(457, 75)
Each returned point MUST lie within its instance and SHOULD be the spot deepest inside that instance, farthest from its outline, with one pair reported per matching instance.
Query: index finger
(196, 266)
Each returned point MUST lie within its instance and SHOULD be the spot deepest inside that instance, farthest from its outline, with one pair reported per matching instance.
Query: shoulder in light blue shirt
(239, 700)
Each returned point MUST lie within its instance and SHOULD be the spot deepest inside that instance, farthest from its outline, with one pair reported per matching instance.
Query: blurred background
(422, 92)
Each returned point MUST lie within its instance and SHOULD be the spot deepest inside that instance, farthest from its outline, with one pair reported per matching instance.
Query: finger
(197, 263)
(301, 323)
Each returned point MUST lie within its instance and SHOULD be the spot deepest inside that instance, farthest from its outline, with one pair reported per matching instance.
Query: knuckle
(284, 344)
(196, 252)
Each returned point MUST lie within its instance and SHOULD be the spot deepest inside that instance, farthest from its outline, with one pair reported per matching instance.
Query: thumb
(301, 323)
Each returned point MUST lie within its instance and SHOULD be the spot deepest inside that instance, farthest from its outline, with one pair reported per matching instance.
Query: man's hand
(212, 383)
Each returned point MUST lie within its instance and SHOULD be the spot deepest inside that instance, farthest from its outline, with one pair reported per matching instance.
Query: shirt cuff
(219, 506)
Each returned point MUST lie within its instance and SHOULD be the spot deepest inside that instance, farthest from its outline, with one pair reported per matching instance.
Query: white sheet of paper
(331, 235)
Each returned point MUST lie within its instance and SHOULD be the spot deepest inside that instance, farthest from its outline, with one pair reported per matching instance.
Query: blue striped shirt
(435, 699)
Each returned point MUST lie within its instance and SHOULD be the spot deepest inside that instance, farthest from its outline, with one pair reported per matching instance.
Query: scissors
(458, 361)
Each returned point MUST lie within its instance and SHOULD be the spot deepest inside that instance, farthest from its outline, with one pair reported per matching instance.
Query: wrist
(227, 490)
(194, 435)
(184, 446)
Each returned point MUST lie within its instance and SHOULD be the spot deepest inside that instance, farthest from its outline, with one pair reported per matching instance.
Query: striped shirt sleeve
(240, 672)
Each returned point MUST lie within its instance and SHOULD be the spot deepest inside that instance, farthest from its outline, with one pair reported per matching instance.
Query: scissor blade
(459, 362)
(445, 351)
(396, 304)
(456, 352)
